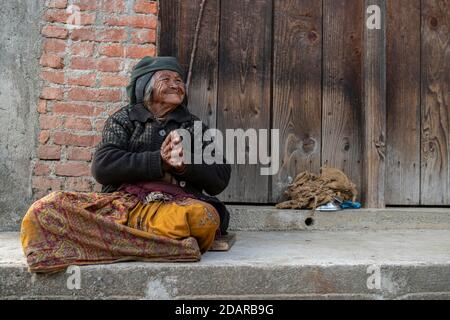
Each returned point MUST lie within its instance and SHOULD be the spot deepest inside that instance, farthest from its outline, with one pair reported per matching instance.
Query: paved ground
(303, 264)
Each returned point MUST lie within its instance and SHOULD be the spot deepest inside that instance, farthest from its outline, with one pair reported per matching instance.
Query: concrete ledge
(265, 218)
(412, 264)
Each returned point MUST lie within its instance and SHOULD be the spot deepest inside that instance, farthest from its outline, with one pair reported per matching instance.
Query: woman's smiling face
(168, 88)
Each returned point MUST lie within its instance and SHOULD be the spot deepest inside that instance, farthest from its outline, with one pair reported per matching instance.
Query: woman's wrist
(180, 170)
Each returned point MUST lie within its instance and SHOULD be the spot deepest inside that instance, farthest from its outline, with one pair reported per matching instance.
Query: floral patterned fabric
(73, 228)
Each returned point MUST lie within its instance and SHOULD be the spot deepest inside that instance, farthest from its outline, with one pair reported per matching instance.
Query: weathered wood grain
(374, 110)
(342, 105)
(244, 85)
(435, 166)
(297, 88)
(169, 26)
(203, 87)
(403, 103)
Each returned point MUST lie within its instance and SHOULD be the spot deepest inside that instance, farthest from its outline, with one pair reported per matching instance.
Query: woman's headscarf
(144, 71)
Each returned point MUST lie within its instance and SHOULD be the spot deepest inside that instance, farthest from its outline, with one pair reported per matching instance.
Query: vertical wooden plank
(403, 103)
(374, 107)
(341, 115)
(244, 85)
(203, 88)
(435, 166)
(297, 88)
(168, 27)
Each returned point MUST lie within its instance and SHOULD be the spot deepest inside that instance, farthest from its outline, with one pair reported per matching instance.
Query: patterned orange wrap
(73, 228)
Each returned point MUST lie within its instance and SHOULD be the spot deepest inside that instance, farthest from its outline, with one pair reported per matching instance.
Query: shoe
(330, 206)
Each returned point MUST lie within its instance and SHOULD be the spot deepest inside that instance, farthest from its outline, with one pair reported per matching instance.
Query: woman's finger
(166, 142)
(176, 153)
(176, 138)
(167, 148)
(176, 163)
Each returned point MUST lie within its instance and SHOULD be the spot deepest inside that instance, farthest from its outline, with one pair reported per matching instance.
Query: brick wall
(85, 71)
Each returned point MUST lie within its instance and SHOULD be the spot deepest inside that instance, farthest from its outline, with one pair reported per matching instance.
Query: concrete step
(363, 264)
(268, 218)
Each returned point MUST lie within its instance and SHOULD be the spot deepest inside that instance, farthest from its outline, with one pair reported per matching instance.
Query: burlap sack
(308, 190)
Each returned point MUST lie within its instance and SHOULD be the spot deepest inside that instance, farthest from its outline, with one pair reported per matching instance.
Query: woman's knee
(40, 203)
(30, 222)
(204, 222)
(203, 214)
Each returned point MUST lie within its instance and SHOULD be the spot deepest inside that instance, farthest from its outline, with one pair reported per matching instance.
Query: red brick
(55, 32)
(53, 76)
(44, 183)
(70, 139)
(109, 65)
(112, 50)
(114, 81)
(44, 136)
(84, 49)
(52, 61)
(111, 35)
(72, 169)
(113, 6)
(49, 152)
(80, 124)
(56, 15)
(143, 36)
(145, 6)
(60, 4)
(54, 46)
(83, 34)
(80, 154)
(49, 121)
(82, 63)
(88, 18)
(85, 80)
(136, 21)
(101, 95)
(121, 21)
(143, 21)
(76, 109)
(86, 5)
(68, 17)
(42, 106)
(41, 169)
(78, 184)
(138, 52)
(52, 93)
(84, 18)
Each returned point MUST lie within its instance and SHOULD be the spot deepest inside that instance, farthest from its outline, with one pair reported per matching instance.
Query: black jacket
(130, 152)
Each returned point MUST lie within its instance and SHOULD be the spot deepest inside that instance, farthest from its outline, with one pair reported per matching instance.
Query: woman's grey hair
(148, 91)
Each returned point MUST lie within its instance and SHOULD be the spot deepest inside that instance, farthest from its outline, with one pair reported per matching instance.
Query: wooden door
(418, 102)
(297, 66)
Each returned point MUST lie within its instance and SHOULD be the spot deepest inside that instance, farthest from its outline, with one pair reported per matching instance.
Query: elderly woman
(152, 206)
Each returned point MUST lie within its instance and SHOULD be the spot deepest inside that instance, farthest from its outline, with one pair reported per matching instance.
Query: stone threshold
(268, 218)
(357, 264)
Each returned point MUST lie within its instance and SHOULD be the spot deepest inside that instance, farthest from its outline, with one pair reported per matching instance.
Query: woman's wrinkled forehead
(170, 73)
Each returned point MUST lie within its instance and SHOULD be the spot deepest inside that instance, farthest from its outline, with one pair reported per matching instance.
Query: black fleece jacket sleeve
(113, 165)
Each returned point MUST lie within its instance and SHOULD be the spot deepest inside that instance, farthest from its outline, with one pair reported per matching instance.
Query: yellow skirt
(78, 228)
(177, 220)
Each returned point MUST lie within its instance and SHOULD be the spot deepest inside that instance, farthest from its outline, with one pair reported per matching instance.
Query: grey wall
(20, 84)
